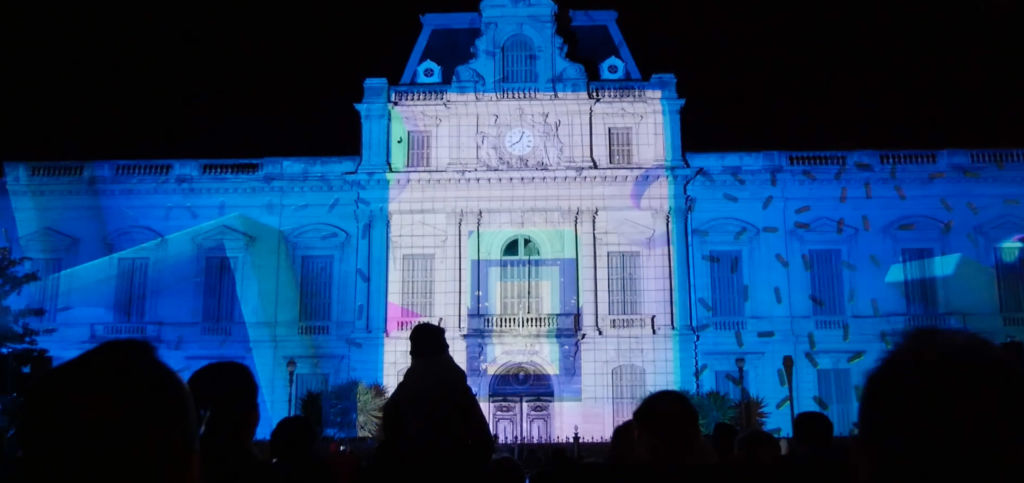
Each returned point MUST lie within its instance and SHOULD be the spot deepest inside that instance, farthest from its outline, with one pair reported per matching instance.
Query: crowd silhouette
(943, 405)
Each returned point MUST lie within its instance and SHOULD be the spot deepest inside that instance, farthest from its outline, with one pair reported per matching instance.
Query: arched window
(520, 280)
(518, 60)
(628, 389)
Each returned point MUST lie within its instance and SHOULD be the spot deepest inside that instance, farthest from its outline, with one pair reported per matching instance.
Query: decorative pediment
(131, 236)
(47, 240)
(727, 230)
(223, 235)
(917, 226)
(1000, 229)
(428, 72)
(827, 229)
(318, 234)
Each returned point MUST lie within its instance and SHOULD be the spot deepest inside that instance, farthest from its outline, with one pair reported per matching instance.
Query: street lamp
(787, 365)
(291, 382)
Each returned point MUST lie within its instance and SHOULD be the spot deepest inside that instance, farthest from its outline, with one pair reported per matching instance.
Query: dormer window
(518, 60)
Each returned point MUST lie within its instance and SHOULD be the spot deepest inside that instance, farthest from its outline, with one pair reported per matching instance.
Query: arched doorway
(521, 395)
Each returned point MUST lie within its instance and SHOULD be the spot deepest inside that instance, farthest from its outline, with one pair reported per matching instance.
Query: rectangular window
(836, 390)
(46, 290)
(620, 146)
(728, 383)
(220, 299)
(1010, 279)
(624, 283)
(919, 282)
(629, 387)
(315, 288)
(826, 282)
(130, 290)
(726, 283)
(419, 149)
(417, 285)
(306, 384)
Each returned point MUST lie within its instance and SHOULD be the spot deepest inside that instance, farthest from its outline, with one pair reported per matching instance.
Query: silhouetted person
(293, 452)
(115, 413)
(757, 447)
(723, 440)
(812, 437)
(667, 429)
(622, 450)
(226, 398)
(432, 425)
(943, 404)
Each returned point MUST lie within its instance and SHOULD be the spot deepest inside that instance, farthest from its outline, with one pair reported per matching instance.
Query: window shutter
(629, 387)
(827, 282)
(834, 387)
(315, 288)
(922, 293)
(726, 283)
(1010, 279)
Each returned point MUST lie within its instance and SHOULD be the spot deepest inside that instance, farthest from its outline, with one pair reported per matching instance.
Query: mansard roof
(449, 39)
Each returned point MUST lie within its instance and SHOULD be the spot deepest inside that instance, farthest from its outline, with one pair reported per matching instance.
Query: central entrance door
(521, 397)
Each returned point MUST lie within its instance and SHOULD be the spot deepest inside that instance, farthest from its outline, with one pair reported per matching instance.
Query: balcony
(617, 89)
(1013, 320)
(522, 323)
(627, 323)
(125, 331)
(933, 320)
(829, 323)
(728, 324)
(314, 329)
(424, 93)
(406, 324)
(216, 329)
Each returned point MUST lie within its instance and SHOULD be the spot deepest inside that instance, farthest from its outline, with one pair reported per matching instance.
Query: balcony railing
(215, 329)
(1013, 320)
(527, 321)
(419, 93)
(317, 329)
(125, 331)
(728, 324)
(933, 320)
(406, 324)
(829, 323)
(617, 90)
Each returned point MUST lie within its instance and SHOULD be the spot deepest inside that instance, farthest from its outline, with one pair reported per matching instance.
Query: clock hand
(521, 135)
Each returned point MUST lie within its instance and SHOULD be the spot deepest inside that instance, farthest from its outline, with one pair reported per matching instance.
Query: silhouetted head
(294, 438)
(227, 399)
(622, 449)
(115, 413)
(667, 428)
(812, 431)
(723, 439)
(941, 398)
(757, 447)
(427, 340)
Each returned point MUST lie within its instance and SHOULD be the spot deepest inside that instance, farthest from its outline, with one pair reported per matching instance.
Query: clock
(519, 141)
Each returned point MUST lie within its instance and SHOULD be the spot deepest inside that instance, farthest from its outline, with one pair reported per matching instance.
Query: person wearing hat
(432, 424)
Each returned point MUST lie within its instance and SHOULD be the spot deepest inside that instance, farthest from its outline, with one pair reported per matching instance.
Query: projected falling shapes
(782, 260)
(849, 266)
(778, 295)
(874, 307)
(739, 234)
(781, 373)
(739, 339)
(842, 194)
(846, 332)
(972, 207)
(875, 261)
(730, 197)
(821, 403)
(774, 178)
(816, 301)
(802, 209)
(807, 262)
(782, 403)
(900, 193)
(809, 175)
(936, 175)
(839, 225)
(810, 358)
(886, 341)
(770, 229)
(855, 358)
(945, 204)
(801, 225)
(739, 179)
(947, 227)
(906, 227)
(767, 202)
(864, 221)
(704, 303)
(813, 344)
(867, 190)
(853, 293)
(839, 173)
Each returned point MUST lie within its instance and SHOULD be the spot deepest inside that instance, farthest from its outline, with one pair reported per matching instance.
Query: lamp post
(291, 382)
(787, 365)
(740, 364)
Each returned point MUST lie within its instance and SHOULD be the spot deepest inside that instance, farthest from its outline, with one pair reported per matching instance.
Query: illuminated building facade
(543, 211)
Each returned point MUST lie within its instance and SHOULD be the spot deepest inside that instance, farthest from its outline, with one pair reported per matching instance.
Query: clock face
(519, 141)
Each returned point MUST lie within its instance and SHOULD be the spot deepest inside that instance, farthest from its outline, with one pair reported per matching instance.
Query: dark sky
(83, 81)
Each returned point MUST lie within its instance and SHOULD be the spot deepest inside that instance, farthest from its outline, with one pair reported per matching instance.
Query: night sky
(83, 81)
